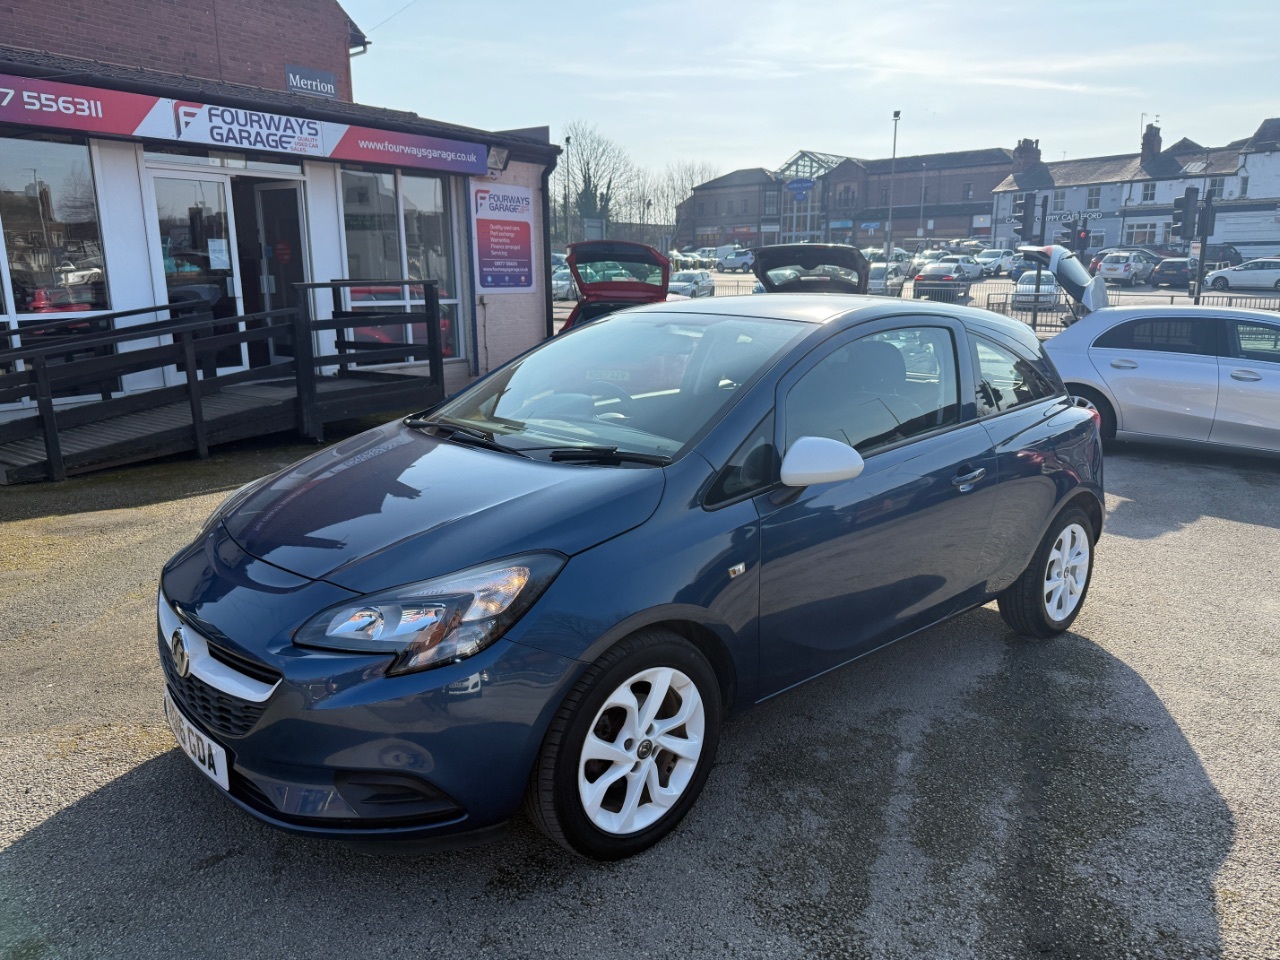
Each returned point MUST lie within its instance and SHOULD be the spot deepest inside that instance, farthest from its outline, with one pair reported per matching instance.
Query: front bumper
(324, 743)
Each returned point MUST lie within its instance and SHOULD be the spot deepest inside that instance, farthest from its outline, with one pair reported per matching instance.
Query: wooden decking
(292, 393)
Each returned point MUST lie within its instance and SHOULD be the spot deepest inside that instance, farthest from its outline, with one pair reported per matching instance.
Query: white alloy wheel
(641, 751)
(1067, 572)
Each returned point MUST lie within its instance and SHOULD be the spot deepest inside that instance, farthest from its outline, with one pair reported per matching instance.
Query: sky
(742, 83)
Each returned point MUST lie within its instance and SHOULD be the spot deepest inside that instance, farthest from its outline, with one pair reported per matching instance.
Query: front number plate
(204, 753)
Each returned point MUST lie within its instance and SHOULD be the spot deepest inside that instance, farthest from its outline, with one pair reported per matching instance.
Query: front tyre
(629, 750)
(1046, 598)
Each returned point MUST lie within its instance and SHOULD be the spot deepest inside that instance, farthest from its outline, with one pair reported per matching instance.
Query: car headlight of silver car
(438, 621)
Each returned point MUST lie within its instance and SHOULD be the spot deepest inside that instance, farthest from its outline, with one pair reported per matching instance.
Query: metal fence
(1043, 312)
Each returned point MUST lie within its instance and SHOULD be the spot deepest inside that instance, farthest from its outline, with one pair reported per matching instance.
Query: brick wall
(237, 41)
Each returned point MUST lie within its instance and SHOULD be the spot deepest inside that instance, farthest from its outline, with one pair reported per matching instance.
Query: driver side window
(878, 391)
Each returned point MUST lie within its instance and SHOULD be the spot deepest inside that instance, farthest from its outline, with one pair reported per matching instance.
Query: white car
(1025, 295)
(1203, 374)
(562, 286)
(995, 262)
(962, 261)
(693, 283)
(737, 260)
(885, 280)
(1251, 275)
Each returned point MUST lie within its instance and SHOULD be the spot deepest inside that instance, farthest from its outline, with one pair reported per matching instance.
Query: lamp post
(568, 220)
(923, 190)
(893, 163)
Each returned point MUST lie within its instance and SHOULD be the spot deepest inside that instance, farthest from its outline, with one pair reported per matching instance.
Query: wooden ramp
(300, 391)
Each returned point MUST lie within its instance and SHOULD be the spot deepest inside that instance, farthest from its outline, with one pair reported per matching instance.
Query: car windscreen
(685, 276)
(643, 382)
(594, 271)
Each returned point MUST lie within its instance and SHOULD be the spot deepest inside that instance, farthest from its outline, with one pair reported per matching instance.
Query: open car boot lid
(811, 268)
(1090, 293)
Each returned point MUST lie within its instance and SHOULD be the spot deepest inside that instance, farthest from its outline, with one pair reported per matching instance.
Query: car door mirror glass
(820, 460)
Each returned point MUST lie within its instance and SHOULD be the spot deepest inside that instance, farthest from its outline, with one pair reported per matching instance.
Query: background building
(1128, 198)
(234, 165)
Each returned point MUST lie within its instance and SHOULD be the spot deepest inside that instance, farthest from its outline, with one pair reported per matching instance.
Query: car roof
(824, 308)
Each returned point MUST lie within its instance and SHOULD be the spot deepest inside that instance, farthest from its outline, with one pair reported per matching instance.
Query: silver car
(693, 283)
(1181, 373)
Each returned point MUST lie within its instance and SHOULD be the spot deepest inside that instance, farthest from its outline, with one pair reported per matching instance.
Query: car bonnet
(395, 505)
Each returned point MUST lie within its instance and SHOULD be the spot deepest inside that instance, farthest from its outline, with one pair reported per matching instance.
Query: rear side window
(1005, 380)
(1256, 341)
(1163, 335)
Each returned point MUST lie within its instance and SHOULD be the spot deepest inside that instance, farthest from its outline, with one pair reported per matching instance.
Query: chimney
(1026, 155)
(1150, 144)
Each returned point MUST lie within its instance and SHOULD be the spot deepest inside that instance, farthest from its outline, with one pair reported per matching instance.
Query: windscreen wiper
(607, 455)
(462, 433)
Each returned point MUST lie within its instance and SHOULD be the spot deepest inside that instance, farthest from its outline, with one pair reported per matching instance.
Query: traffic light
(1184, 214)
(1024, 215)
(1208, 218)
(1081, 237)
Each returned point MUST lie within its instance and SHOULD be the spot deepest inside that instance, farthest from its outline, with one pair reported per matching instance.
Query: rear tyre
(629, 750)
(1046, 599)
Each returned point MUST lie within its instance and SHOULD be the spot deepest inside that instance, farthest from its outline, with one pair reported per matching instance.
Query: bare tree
(596, 178)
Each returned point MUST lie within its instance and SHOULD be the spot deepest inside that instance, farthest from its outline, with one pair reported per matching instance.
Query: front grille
(220, 712)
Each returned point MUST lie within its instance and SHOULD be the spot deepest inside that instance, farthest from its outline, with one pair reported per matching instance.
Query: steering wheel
(626, 403)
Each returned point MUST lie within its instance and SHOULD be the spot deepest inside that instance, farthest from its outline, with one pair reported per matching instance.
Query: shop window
(428, 243)
(373, 234)
(1148, 193)
(402, 227)
(49, 215)
(1093, 198)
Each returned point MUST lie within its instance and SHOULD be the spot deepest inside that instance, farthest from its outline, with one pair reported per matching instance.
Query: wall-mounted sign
(66, 106)
(870, 226)
(841, 224)
(311, 83)
(502, 228)
(800, 188)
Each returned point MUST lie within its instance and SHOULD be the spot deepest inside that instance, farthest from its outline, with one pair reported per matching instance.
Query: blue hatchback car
(550, 590)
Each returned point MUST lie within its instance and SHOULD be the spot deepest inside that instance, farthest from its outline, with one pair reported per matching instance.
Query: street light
(893, 162)
(923, 190)
(568, 220)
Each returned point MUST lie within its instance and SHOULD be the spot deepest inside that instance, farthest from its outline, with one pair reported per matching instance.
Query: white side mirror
(820, 460)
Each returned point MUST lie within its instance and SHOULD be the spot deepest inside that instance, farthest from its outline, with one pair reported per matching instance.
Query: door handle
(1124, 364)
(1248, 376)
(965, 483)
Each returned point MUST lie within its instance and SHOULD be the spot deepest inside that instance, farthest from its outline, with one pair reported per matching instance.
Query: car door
(1268, 275)
(1162, 373)
(850, 565)
(1248, 410)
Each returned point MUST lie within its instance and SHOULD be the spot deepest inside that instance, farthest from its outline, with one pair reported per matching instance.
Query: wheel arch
(714, 640)
(1087, 501)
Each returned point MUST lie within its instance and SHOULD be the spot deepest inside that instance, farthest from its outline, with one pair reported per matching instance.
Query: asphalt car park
(964, 794)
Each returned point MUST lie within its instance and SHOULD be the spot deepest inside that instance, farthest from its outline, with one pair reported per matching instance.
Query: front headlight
(438, 621)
